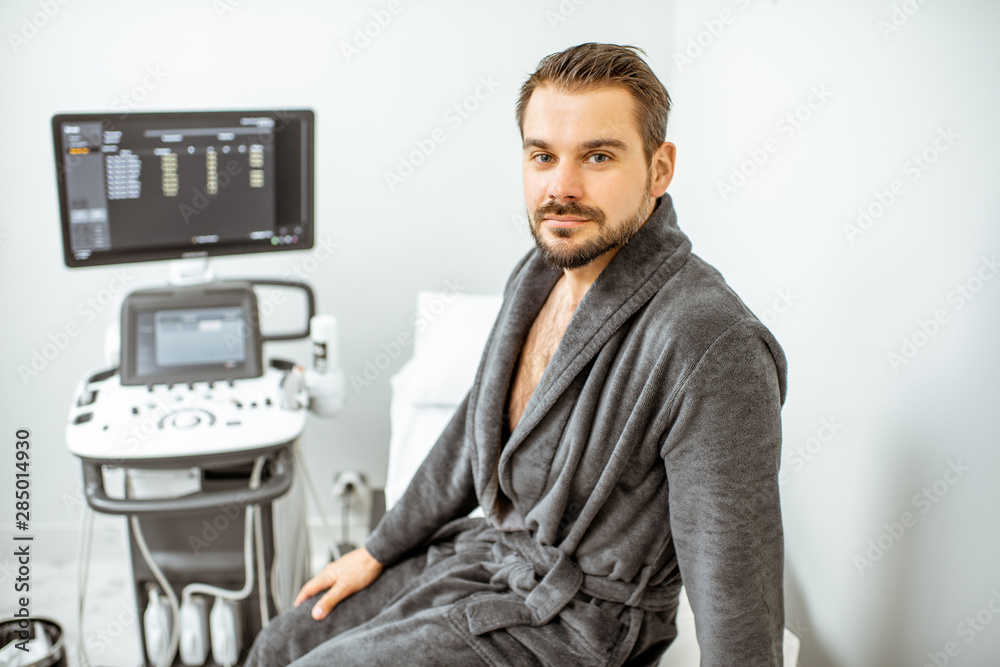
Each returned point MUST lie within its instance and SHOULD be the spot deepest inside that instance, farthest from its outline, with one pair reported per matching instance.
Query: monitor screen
(192, 333)
(171, 185)
(191, 337)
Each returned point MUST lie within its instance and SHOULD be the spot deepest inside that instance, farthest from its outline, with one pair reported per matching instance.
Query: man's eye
(599, 158)
(543, 157)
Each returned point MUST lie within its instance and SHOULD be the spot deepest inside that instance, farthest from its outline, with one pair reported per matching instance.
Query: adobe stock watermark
(216, 179)
(913, 170)
(201, 198)
(98, 641)
(520, 221)
(153, 413)
(967, 629)
(782, 302)
(455, 115)
(268, 304)
(136, 95)
(33, 24)
(923, 500)
(391, 350)
(787, 126)
(898, 17)
(310, 264)
(928, 329)
(254, 321)
(828, 429)
(696, 44)
(365, 33)
(87, 310)
(229, 514)
(109, 133)
(224, 7)
(73, 501)
(561, 13)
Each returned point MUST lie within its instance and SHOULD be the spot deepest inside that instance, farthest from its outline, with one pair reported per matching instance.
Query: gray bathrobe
(646, 457)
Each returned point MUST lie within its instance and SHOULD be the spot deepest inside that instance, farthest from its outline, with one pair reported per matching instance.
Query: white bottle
(325, 381)
(157, 625)
(227, 632)
(194, 631)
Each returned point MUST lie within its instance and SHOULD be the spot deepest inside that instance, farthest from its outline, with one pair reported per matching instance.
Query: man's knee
(294, 632)
(287, 635)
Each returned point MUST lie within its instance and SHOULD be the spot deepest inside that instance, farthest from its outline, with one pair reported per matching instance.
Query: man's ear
(662, 168)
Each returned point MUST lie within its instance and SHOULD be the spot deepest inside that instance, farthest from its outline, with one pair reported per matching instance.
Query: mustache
(570, 208)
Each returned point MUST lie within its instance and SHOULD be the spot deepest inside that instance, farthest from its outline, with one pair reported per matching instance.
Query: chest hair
(539, 347)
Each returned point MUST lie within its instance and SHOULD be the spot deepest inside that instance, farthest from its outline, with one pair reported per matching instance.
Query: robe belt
(521, 560)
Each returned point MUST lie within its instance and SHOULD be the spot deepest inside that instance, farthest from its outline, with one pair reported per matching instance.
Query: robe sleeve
(441, 490)
(722, 453)
(443, 487)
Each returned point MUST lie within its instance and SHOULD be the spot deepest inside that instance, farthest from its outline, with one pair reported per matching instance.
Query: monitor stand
(190, 271)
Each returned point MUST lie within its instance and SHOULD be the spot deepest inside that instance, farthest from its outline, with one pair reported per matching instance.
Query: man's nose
(566, 183)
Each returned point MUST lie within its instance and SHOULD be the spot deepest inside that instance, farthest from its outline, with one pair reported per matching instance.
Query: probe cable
(82, 573)
(319, 506)
(190, 589)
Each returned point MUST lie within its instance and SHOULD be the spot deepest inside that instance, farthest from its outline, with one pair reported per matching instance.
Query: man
(622, 436)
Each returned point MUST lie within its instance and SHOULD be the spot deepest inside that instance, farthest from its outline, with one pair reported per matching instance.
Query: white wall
(852, 300)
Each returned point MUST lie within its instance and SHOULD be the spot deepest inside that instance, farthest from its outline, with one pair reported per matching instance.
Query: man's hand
(345, 576)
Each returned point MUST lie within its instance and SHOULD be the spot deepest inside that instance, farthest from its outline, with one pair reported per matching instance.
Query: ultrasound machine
(188, 430)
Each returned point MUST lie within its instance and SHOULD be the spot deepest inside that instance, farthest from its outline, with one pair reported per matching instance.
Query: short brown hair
(593, 65)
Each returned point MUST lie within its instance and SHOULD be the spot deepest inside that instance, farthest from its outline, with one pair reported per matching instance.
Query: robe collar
(640, 268)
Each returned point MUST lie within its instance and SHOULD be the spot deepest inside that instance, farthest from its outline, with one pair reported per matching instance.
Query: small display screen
(192, 333)
(168, 341)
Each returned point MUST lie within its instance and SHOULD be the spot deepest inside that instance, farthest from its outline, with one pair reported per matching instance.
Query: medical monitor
(150, 186)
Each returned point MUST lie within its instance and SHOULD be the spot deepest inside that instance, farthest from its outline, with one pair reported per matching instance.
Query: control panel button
(186, 420)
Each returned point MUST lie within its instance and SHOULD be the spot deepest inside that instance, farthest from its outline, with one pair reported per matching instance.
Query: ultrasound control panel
(113, 422)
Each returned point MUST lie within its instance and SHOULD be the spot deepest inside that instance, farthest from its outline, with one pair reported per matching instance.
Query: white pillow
(451, 332)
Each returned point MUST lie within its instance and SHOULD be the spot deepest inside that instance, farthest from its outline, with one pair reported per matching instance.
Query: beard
(567, 255)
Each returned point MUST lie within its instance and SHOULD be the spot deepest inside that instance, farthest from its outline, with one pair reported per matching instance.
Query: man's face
(586, 180)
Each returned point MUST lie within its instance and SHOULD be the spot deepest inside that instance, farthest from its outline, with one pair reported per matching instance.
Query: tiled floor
(110, 622)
